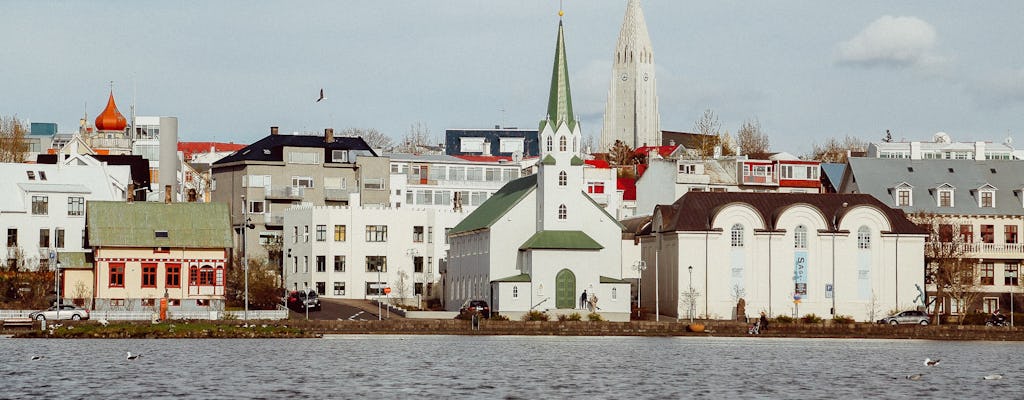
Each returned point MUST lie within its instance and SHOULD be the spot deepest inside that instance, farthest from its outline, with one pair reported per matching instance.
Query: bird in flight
(130, 356)
(931, 363)
(321, 95)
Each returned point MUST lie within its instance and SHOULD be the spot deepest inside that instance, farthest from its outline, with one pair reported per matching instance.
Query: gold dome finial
(561, 13)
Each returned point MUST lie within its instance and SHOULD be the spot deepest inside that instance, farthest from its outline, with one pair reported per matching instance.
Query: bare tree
(418, 137)
(834, 151)
(944, 257)
(620, 154)
(372, 136)
(264, 292)
(401, 288)
(13, 146)
(727, 143)
(708, 128)
(752, 141)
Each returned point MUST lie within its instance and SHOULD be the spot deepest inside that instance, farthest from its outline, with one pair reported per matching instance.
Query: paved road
(334, 309)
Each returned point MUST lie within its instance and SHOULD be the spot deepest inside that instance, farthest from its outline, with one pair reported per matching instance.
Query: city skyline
(806, 71)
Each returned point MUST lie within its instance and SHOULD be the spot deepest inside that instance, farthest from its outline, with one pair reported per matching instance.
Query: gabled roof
(560, 240)
(189, 148)
(188, 225)
(270, 147)
(514, 278)
(497, 205)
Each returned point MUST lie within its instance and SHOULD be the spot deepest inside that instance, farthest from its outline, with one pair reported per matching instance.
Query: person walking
(583, 300)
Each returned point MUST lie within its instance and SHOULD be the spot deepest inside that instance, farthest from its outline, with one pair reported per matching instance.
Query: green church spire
(560, 100)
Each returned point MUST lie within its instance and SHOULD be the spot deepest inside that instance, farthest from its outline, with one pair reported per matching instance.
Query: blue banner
(800, 273)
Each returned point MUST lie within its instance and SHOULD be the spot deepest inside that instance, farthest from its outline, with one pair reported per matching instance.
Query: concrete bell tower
(631, 113)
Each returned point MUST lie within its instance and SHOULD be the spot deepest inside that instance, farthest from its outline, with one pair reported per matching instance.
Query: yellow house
(145, 251)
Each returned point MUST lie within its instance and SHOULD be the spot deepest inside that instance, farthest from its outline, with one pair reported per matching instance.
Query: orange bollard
(163, 309)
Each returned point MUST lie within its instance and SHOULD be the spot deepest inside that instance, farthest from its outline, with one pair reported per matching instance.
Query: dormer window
(944, 195)
(903, 194)
(987, 196)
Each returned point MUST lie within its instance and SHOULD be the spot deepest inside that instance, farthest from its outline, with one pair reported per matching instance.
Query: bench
(18, 322)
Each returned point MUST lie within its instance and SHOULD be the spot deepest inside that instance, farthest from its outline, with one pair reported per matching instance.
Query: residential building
(441, 181)
(631, 112)
(145, 251)
(541, 241)
(787, 254)
(500, 141)
(942, 148)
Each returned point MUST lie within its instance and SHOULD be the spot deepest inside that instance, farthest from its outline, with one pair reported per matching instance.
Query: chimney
(131, 193)
(167, 194)
(329, 135)
(672, 142)
(273, 130)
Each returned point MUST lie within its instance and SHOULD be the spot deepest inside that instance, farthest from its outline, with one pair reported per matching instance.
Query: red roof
(598, 163)
(627, 186)
(190, 148)
(664, 151)
(485, 158)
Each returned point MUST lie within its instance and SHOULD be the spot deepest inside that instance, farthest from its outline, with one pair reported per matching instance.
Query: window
(117, 302)
(148, 275)
(296, 234)
(800, 237)
(12, 237)
(563, 213)
(40, 205)
(561, 143)
(339, 288)
(321, 233)
(76, 206)
(967, 233)
(417, 234)
(31, 175)
(945, 198)
(202, 302)
(376, 263)
(864, 238)
(430, 234)
(563, 178)
(688, 169)
(376, 233)
(736, 236)
(375, 288)
(321, 263)
(1010, 271)
(988, 273)
(305, 263)
(987, 199)
(116, 275)
(615, 293)
(595, 187)
(302, 181)
(339, 155)
(339, 263)
(515, 292)
(904, 197)
(173, 278)
(257, 207)
(59, 237)
(339, 233)
(990, 304)
(945, 233)
(321, 288)
(44, 238)
(417, 264)
(988, 234)
(148, 302)
(1010, 233)
(373, 183)
(207, 276)
(550, 143)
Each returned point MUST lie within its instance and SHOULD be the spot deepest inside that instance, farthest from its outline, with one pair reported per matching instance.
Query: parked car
(67, 311)
(906, 317)
(300, 300)
(475, 306)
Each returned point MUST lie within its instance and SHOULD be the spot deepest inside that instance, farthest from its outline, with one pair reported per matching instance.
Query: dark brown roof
(633, 227)
(694, 211)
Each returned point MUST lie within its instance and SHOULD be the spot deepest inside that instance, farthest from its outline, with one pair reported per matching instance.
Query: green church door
(565, 289)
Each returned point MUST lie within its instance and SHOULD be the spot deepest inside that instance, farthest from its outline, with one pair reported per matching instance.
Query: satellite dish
(941, 137)
(517, 156)
(1008, 141)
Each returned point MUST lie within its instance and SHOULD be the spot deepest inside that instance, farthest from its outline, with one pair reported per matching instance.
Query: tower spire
(560, 98)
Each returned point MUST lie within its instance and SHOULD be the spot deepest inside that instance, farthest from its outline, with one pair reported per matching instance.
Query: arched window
(563, 178)
(515, 292)
(615, 293)
(800, 237)
(551, 144)
(563, 212)
(864, 238)
(561, 143)
(193, 275)
(737, 236)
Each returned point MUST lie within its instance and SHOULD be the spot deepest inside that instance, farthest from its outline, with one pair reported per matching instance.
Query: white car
(66, 311)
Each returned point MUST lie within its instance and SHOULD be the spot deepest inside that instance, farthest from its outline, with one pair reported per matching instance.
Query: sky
(806, 70)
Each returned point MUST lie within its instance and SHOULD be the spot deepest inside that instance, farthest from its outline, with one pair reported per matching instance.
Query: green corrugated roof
(548, 160)
(191, 225)
(499, 204)
(605, 279)
(514, 278)
(576, 161)
(74, 260)
(560, 98)
(575, 240)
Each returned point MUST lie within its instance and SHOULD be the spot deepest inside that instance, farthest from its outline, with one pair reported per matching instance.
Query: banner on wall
(800, 273)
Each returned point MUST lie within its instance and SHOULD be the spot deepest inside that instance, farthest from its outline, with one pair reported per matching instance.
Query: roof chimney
(167, 194)
(329, 135)
(131, 193)
(273, 130)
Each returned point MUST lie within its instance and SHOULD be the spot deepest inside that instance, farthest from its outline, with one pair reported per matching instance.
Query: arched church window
(800, 237)
(551, 144)
(563, 178)
(736, 236)
(864, 238)
(563, 212)
(561, 143)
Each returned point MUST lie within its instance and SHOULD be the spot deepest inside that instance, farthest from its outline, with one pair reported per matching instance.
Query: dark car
(300, 300)
(906, 317)
(475, 306)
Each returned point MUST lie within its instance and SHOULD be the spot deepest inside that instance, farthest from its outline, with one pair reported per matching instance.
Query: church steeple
(560, 98)
(631, 114)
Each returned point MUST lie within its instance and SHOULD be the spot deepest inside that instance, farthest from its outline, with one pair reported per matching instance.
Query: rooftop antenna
(134, 133)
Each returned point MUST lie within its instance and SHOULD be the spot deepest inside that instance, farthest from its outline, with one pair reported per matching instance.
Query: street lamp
(246, 225)
(639, 266)
(378, 292)
(690, 311)
(413, 253)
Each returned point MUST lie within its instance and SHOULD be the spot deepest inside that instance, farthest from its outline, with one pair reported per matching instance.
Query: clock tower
(631, 113)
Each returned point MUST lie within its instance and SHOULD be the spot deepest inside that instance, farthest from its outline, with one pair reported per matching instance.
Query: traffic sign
(387, 290)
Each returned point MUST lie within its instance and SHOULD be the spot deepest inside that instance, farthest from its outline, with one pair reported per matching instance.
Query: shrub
(784, 319)
(570, 317)
(594, 317)
(499, 317)
(535, 315)
(842, 319)
(810, 319)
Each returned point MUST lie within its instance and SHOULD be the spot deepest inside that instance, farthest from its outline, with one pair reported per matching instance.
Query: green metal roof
(548, 160)
(574, 240)
(136, 224)
(514, 278)
(74, 260)
(499, 204)
(605, 279)
(560, 99)
(576, 161)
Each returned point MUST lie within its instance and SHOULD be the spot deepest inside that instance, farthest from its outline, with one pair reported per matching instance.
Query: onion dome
(111, 119)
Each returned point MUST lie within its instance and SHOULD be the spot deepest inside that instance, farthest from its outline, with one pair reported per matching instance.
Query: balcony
(987, 250)
(759, 180)
(270, 220)
(337, 194)
(284, 193)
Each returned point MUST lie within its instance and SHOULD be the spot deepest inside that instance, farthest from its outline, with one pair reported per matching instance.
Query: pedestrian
(763, 321)
(583, 300)
(593, 302)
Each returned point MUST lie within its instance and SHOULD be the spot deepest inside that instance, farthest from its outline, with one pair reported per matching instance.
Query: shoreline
(302, 329)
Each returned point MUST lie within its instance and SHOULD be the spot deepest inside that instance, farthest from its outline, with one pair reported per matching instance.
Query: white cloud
(893, 42)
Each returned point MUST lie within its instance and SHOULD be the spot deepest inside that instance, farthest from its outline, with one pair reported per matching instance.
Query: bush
(535, 315)
(594, 317)
(842, 319)
(810, 319)
(570, 317)
(784, 319)
(499, 317)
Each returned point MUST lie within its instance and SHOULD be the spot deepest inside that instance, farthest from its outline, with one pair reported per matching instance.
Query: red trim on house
(176, 275)
(117, 268)
(149, 274)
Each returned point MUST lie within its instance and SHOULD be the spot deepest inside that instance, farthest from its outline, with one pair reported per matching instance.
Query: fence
(112, 315)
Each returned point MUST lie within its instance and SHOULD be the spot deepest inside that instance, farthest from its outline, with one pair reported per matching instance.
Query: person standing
(763, 321)
(583, 300)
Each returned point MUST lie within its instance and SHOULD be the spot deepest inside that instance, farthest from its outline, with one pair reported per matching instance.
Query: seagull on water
(41, 357)
(103, 322)
(321, 95)
(993, 377)
(915, 377)
(130, 356)
(931, 363)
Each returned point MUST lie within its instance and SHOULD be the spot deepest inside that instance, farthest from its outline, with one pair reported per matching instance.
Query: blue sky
(807, 70)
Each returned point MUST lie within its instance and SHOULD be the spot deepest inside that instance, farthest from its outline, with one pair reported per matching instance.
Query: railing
(331, 194)
(285, 193)
(1010, 250)
(121, 315)
(272, 220)
(759, 180)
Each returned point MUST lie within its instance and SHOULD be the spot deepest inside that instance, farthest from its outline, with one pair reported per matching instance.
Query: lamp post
(639, 266)
(56, 283)
(378, 293)
(690, 311)
(246, 225)
(413, 253)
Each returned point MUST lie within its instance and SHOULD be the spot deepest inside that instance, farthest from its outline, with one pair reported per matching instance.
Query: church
(631, 113)
(540, 241)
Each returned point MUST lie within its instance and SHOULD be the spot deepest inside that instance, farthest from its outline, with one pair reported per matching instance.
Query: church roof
(550, 240)
(514, 278)
(497, 205)
(605, 279)
(111, 119)
(560, 99)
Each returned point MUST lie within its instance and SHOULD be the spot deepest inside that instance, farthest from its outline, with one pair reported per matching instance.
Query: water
(489, 367)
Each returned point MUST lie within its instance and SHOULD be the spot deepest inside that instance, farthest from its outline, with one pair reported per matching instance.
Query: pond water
(511, 367)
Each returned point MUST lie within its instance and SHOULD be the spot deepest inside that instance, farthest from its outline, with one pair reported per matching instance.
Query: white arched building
(782, 253)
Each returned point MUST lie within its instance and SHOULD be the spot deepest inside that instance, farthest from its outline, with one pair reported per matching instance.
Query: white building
(943, 148)
(782, 253)
(631, 113)
(541, 241)
(336, 251)
(437, 181)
